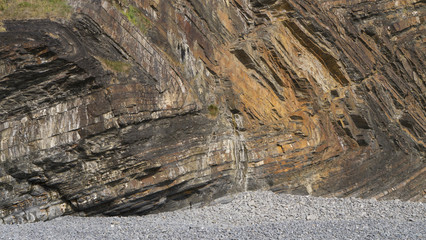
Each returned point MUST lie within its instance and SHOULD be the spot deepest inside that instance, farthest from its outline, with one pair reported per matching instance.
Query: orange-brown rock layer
(100, 114)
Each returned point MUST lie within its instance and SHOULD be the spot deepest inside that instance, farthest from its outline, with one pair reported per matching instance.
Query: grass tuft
(34, 9)
(133, 14)
(137, 18)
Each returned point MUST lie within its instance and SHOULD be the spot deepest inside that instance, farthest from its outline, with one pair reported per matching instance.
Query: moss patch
(213, 110)
(34, 9)
(115, 66)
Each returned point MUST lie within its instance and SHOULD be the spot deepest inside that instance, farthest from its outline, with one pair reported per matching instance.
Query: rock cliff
(132, 107)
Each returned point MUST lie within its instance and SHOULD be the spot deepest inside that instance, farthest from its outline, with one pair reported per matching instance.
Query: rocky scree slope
(133, 107)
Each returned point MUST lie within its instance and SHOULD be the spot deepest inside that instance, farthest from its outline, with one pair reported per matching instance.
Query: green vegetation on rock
(136, 17)
(115, 66)
(133, 14)
(213, 110)
(34, 9)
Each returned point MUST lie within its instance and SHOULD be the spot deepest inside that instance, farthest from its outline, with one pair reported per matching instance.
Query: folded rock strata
(102, 114)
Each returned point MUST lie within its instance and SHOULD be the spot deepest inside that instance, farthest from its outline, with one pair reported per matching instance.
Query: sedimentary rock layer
(184, 101)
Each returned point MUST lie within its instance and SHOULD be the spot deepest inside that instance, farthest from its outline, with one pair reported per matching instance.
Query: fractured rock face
(101, 114)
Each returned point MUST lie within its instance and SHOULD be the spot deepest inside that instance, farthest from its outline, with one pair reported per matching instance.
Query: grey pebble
(247, 215)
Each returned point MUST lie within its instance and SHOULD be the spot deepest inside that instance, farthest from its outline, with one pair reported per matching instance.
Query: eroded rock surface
(99, 115)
